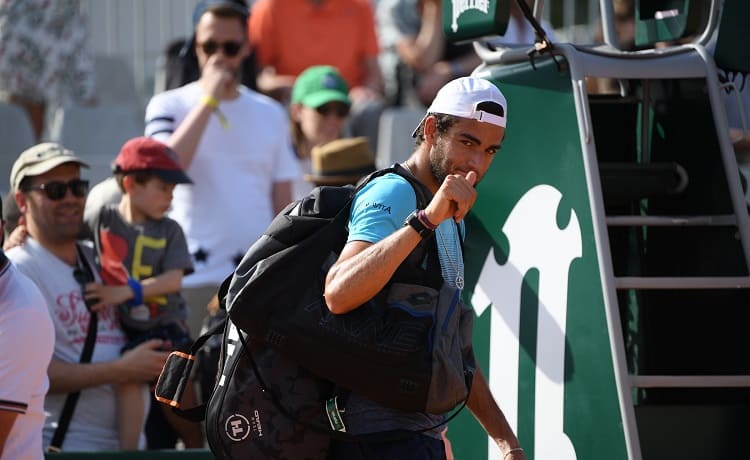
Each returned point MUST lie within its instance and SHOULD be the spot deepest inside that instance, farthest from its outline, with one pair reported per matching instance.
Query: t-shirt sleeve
(18, 370)
(176, 255)
(161, 120)
(380, 208)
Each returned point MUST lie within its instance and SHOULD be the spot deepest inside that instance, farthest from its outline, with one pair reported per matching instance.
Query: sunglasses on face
(56, 190)
(230, 49)
(340, 110)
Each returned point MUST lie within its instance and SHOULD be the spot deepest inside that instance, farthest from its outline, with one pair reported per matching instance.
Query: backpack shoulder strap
(420, 190)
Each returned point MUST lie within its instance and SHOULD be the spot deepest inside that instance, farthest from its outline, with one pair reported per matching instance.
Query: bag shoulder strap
(198, 413)
(66, 415)
(420, 190)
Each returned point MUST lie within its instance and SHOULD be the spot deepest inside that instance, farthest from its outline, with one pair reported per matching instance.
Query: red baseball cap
(147, 154)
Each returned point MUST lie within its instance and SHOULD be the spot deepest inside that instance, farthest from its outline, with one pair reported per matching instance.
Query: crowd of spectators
(252, 113)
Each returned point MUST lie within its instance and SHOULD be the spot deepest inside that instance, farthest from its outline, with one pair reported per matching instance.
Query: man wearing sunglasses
(50, 195)
(235, 145)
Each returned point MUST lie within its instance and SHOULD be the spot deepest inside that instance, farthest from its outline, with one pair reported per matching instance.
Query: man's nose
(476, 157)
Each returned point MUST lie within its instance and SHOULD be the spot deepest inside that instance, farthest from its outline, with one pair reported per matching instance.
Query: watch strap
(416, 223)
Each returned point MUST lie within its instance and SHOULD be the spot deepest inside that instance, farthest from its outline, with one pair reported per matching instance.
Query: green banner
(534, 281)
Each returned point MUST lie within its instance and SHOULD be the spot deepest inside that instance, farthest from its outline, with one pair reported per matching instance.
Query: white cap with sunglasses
(39, 159)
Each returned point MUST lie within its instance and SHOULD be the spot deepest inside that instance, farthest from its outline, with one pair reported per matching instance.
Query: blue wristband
(137, 292)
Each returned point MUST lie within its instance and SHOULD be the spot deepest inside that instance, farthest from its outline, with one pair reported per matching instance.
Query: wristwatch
(413, 221)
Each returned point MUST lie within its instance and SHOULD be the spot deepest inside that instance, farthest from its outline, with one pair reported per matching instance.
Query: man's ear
(21, 198)
(430, 129)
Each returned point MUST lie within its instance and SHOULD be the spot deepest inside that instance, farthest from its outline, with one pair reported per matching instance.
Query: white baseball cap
(465, 96)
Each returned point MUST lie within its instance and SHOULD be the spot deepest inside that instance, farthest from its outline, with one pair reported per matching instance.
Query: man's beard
(438, 165)
(66, 232)
(59, 230)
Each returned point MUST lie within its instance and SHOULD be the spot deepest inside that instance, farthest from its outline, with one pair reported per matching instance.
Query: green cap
(319, 85)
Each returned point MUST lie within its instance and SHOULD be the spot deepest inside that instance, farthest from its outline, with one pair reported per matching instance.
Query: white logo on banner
(461, 6)
(535, 241)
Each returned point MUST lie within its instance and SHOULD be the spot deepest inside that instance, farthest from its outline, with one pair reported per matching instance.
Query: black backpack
(264, 404)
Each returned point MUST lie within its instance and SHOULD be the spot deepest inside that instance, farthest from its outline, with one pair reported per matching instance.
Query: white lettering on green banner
(461, 6)
(535, 241)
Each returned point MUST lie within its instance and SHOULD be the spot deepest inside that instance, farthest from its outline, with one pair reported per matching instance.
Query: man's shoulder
(29, 258)
(182, 94)
(29, 300)
(390, 193)
(23, 283)
(380, 208)
(389, 184)
(20, 255)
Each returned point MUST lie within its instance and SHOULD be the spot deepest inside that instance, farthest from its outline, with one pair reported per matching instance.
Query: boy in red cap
(143, 257)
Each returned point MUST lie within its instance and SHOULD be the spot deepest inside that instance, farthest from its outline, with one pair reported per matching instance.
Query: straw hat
(340, 162)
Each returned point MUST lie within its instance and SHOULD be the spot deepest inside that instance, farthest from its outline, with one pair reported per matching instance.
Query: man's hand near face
(217, 78)
(454, 199)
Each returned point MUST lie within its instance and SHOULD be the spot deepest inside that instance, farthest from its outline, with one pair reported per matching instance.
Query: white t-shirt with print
(94, 423)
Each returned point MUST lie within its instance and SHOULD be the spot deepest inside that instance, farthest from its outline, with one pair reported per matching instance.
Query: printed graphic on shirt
(379, 206)
(114, 271)
(73, 316)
